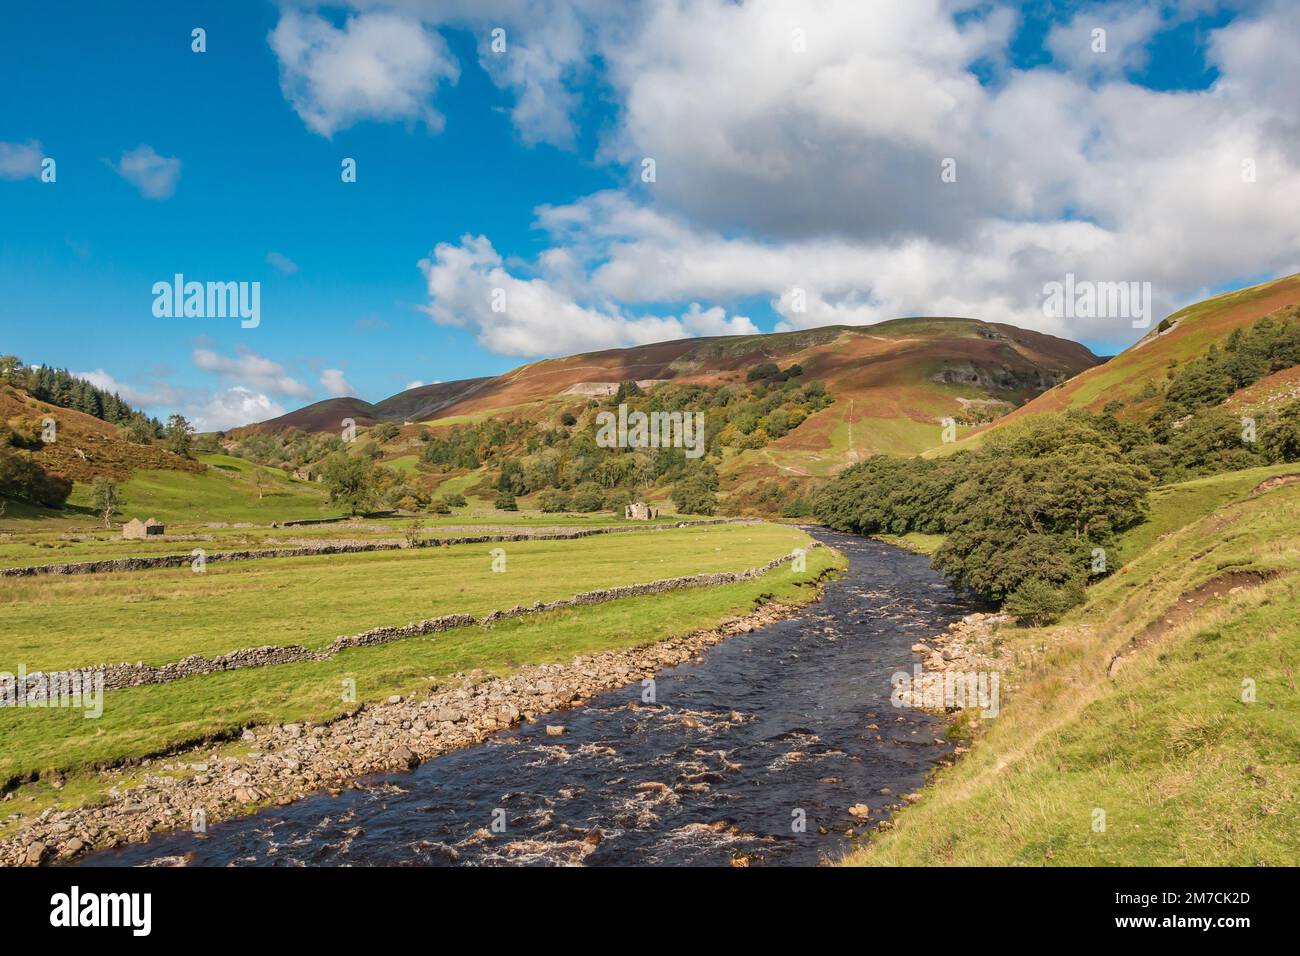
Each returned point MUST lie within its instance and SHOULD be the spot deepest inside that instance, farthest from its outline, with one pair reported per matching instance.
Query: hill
(893, 383)
(84, 447)
(1137, 375)
(415, 404)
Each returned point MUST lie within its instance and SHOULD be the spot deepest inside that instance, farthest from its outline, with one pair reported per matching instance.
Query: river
(791, 723)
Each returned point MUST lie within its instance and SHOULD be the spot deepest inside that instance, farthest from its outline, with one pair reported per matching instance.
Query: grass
(914, 541)
(225, 492)
(1185, 770)
(1174, 506)
(145, 720)
(91, 541)
(162, 615)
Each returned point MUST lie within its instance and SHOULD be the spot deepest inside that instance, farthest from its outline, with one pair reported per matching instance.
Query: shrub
(553, 500)
(386, 431)
(587, 498)
(506, 501)
(693, 496)
(1036, 602)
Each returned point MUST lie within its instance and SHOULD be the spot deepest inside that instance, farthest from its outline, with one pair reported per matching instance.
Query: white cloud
(1125, 29)
(335, 384)
(376, 66)
(232, 408)
(250, 369)
(470, 287)
(206, 410)
(820, 168)
(416, 384)
(283, 263)
(152, 396)
(21, 160)
(154, 175)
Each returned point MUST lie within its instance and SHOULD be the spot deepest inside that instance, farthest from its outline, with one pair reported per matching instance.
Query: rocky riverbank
(967, 649)
(284, 763)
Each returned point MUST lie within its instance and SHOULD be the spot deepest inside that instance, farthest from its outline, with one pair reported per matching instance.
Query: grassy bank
(1184, 770)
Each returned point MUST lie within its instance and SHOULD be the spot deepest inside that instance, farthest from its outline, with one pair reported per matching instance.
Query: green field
(96, 543)
(162, 615)
(144, 720)
(1185, 770)
(224, 492)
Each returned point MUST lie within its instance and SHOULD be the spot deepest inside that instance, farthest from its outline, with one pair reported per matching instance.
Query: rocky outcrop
(991, 377)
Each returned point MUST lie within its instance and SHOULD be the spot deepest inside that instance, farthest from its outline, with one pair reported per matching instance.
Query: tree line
(1027, 516)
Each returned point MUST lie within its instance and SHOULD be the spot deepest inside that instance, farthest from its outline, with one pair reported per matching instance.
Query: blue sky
(524, 174)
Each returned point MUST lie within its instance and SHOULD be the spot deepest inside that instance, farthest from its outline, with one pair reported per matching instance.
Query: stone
(556, 730)
(860, 811)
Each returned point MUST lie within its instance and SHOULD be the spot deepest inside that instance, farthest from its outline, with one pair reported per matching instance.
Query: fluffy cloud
(21, 160)
(250, 369)
(206, 410)
(376, 66)
(140, 397)
(332, 380)
(801, 147)
(231, 408)
(154, 175)
(470, 287)
(1106, 39)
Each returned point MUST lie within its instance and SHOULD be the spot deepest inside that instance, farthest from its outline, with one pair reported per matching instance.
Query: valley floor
(49, 757)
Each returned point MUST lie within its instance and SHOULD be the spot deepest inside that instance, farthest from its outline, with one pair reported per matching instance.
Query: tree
(178, 435)
(552, 500)
(24, 478)
(511, 480)
(587, 498)
(140, 430)
(506, 501)
(1281, 439)
(386, 431)
(107, 499)
(260, 482)
(412, 533)
(693, 496)
(350, 481)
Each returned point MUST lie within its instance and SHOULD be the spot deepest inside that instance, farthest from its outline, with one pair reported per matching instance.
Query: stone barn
(640, 511)
(135, 528)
